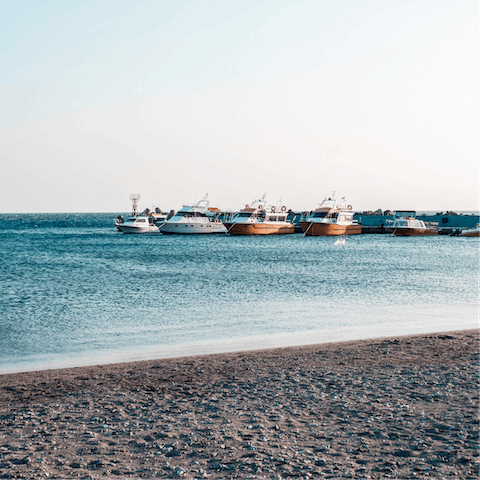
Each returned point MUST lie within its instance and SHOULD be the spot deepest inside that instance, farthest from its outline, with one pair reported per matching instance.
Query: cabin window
(243, 215)
(320, 214)
(190, 214)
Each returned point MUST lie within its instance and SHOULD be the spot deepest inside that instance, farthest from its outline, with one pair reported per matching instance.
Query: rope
(311, 223)
(228, 231)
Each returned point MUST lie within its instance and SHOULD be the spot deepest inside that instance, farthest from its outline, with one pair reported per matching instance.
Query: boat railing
(226, 216)
(304, 216)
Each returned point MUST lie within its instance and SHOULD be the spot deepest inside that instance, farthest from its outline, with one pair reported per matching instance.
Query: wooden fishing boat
(470, 232)
(331, 218)
(257, 219)
(405, 224)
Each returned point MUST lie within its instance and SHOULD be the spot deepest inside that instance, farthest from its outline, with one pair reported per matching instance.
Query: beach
(397, 407)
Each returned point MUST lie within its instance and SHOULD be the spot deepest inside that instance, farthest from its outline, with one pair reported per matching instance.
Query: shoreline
(270, 352)
(400, 406)
(237, 345)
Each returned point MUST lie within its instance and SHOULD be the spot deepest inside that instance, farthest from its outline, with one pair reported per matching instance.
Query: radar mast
(135, 197)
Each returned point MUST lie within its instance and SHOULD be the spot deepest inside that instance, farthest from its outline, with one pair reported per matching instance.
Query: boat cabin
(138, 220)
(317, 214)
(253, 215)
(276, 217)
(189, 214)
(408, 223)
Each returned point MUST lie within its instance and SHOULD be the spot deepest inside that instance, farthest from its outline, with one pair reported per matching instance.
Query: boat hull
(329, 229)
(469, 233)
(415, 232)
(179, 228)
(137, 230)
(259, 229)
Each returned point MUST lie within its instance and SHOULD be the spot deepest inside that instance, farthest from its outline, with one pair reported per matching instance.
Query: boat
(194, 219)
(470, 232)
(118, 221)
(156, 216)
(257, 219)
(134, 197)
(331, 218)
(140, 224)
(405, 224)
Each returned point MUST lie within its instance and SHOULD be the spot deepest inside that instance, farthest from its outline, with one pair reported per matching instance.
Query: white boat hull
(142, 229)
(471, 232)
(184, 228)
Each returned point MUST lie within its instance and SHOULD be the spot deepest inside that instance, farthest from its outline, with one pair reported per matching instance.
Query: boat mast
(134, 197)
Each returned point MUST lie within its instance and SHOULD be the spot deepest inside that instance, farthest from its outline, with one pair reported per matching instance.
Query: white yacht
(139, 224)
(194, 219)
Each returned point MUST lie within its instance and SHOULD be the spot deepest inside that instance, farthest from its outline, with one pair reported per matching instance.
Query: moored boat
(257, 219)
(470, 232)
(405, 224)
(157, 216)
(194, 219)
(118, 221)
(331, 218)
(134, 197)
(140, 224)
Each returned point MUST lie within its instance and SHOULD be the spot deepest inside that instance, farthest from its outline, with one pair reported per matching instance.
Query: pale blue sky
(374, 99)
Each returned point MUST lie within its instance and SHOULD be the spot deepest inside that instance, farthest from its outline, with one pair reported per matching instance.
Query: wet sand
(399, 407)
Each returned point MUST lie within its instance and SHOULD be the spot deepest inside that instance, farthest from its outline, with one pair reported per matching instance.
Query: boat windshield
(189, 214)
(244, 215)
(410, 223)
(319, 214)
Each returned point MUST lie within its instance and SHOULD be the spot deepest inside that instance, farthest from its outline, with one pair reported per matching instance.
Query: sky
(376, 100)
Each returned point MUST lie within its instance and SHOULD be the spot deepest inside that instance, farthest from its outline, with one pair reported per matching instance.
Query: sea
(75, 291)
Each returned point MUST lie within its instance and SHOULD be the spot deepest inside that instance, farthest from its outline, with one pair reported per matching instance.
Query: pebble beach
(398, 407)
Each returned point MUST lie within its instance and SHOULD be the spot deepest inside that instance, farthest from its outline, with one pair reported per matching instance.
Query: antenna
(134, 197)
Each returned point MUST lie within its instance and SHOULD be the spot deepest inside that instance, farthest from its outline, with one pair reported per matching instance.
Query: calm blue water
(76, 291)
